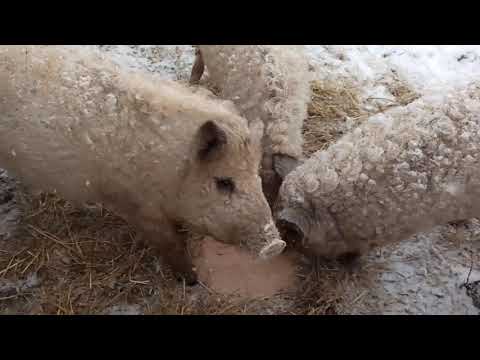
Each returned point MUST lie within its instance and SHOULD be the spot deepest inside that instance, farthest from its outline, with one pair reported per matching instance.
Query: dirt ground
(57, 259)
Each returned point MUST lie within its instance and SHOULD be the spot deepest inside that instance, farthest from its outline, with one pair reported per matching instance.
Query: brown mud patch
(228, 270)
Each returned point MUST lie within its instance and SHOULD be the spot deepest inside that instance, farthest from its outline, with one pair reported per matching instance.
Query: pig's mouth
(265, 245)
(290, 232)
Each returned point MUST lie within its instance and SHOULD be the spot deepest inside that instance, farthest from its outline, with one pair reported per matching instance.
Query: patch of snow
(30, 282)
(426, 68)
(432, 67)
(422, 275)
(173, 62)
(124, 309)
(9, 212)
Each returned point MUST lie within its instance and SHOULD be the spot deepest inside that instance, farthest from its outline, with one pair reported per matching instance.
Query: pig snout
(274, 248)
(273, 245)
(292, 225)
(265, 243)
(256, 230)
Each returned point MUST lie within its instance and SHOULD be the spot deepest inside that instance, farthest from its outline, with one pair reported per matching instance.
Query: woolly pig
(400, 173)
(265, 82)
(151, 151)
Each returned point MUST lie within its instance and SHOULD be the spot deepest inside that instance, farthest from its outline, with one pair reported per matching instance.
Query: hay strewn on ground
(85, 261)
(334, 102)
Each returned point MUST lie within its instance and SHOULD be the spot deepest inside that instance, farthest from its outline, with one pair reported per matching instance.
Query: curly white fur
(270, 83)
(400, 173)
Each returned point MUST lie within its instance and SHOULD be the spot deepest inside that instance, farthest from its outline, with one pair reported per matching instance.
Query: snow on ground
(173, 62)
(9, 214)
(421, 275)
(124, 309)
(374, 68)
(425, 67)
(430, 68)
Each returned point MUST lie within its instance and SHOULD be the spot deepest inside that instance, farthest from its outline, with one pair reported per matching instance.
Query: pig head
(307, 223)
(221, 193)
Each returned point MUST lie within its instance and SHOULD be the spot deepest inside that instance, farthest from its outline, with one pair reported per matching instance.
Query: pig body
(269, 83)
(150, 150)
(400, 173)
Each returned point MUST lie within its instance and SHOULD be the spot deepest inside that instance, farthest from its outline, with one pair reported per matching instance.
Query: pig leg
(351, 261)
(178, 259)
(171, 246)
(275, 169)
(157, 231)
(281, 166)
(352, 258)
(169, 243)
(197, 69)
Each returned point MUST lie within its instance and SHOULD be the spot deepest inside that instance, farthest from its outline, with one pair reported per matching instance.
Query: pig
(158, 155)
(400, 173)
(266, 82)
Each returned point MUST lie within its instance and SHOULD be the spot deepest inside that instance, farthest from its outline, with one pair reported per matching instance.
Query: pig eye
(225, 185)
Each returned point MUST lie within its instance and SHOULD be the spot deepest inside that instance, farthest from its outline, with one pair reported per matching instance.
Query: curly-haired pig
(150, 150)
(402, 172)
(270, 83)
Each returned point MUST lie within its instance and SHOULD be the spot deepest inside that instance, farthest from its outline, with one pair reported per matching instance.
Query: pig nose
(272, 249)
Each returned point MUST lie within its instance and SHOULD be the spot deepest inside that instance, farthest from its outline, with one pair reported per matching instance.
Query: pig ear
(212, 140)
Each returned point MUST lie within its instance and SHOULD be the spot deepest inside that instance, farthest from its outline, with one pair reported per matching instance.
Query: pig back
(75, 122)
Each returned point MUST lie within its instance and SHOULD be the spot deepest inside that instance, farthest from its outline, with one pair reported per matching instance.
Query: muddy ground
(57, 259)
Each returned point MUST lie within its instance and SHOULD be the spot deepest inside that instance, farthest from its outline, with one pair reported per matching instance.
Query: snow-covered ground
(426, 68)
(173, 62)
